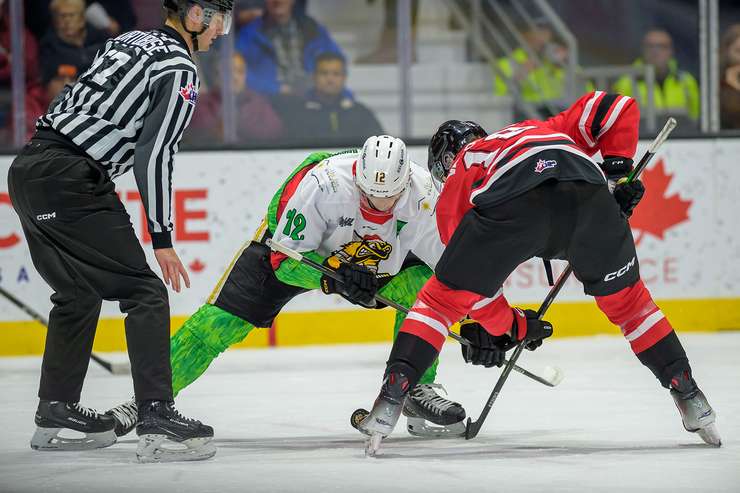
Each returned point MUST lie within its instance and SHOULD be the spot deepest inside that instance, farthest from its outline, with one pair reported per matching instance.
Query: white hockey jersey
(323, 214)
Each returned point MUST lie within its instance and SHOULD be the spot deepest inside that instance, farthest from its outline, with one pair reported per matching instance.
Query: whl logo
(658, 210)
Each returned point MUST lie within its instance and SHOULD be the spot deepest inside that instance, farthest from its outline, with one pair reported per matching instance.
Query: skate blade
(159, 448)
(372, 445)
(419, 427)
(48, 440)
(710, 435)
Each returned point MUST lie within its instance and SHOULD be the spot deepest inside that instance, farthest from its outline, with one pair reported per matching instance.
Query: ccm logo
(613, 275)
(46, 217)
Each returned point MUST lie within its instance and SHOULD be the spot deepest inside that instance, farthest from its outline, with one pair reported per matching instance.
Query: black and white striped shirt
(129, 110)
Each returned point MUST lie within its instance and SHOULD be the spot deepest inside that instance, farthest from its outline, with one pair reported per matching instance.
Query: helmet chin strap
(193, 34)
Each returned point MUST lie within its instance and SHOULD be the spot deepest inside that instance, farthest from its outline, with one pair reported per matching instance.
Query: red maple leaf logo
(197, 266)
(657, 211)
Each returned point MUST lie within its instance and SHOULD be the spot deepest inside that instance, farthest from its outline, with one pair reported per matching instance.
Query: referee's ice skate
(431, 415)
(126, 416)
(165, 435)
(54, 418)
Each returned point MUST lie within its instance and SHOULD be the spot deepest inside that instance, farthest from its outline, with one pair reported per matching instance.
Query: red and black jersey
(507, 163)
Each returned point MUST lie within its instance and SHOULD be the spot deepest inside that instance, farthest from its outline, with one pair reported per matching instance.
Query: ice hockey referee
(127, 112)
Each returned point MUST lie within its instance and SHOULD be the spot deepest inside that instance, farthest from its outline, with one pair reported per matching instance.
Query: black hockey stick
(114, 368)
(473, 427)
(555, 374)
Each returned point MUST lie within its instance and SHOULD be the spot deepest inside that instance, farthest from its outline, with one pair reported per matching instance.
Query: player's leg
(486, 247)
(423, 402)
(206, 334)
(402, 289)
(604, 258)
(248, 296)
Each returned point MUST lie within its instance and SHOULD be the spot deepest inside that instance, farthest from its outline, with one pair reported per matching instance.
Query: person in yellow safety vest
(537, 82)
(675, 89)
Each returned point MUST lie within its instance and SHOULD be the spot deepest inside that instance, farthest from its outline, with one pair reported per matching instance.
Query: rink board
(686, 230)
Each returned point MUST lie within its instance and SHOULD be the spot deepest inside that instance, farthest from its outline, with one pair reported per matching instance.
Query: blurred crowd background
(323, 73)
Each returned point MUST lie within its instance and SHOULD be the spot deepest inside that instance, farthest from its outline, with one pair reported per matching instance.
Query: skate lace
(127, 413)
(427, 397)
(85, 411)
(178, 415)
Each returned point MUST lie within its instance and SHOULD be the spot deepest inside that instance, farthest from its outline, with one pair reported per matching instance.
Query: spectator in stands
(328, 110)
(729, 96)
(541, 80)
(70, 43)
(676, 91)
(256, 120)
(35, 101)
(281, 49)
(111, 16)
(246, 11)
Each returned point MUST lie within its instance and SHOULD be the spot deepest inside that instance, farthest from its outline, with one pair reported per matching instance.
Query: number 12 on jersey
(296, 223)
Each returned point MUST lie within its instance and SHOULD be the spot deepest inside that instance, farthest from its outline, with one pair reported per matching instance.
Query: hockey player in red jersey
(533, 190)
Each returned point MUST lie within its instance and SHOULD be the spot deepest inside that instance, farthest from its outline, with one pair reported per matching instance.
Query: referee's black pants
(83, 245)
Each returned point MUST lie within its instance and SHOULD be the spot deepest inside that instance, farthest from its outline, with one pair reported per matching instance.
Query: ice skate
(696, 413)
(167, 436)
(126, 416)
(53, 417)
(424, 409)
(385, 413)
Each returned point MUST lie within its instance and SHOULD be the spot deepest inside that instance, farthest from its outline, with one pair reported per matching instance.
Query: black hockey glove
(529, 328)
(628, 195)
(358, 283)
(485, 349)
(616, 167)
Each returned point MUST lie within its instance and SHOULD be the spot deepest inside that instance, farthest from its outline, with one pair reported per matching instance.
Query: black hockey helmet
(446, 142)
(211, 9)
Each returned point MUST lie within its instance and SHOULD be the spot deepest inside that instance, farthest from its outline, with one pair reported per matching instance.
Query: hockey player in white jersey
(367, 214)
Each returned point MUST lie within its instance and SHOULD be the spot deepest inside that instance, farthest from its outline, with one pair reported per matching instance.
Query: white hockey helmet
(383, 169)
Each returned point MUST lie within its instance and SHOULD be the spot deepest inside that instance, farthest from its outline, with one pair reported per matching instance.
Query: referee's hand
(172, 268)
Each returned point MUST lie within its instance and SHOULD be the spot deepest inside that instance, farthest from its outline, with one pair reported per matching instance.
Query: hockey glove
(628, 195)
(358, 284)
(530, 329)
(485, 349)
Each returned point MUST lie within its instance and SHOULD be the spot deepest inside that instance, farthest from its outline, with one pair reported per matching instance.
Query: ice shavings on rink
(282, 424)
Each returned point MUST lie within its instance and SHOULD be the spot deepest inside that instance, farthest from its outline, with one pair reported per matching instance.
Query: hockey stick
(473, 427)
(114, 368)
(554, 375)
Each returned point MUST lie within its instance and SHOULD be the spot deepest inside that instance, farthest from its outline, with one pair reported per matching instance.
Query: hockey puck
(357, 417)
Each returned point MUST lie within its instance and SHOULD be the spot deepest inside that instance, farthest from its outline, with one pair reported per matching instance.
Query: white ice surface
(282, 424)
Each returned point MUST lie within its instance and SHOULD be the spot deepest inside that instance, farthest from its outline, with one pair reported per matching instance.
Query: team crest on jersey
(368, 251)
(543, 164)
(189, 94)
